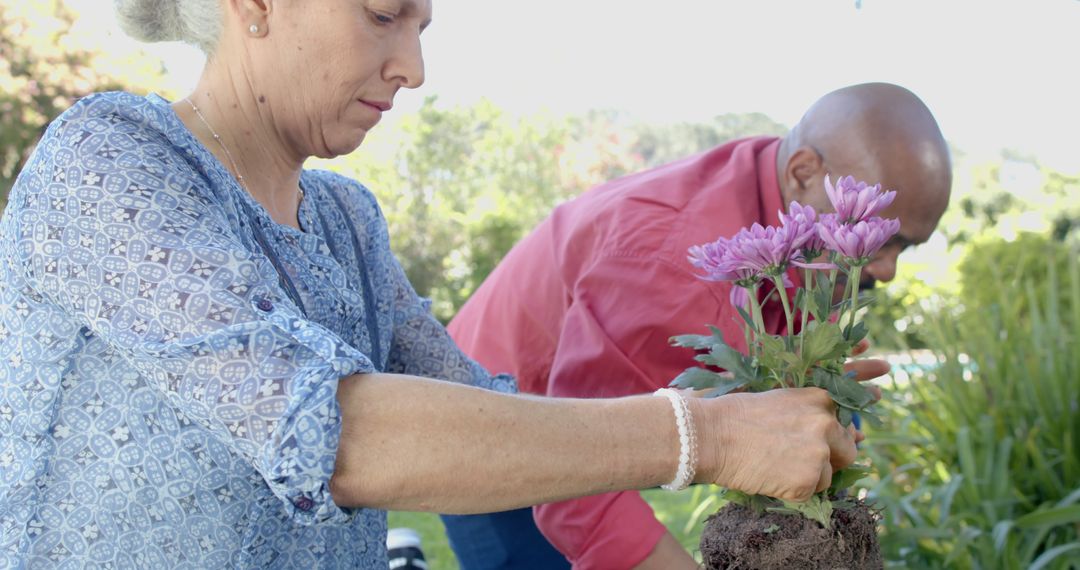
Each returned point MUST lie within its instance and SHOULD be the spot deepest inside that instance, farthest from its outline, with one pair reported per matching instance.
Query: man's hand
(866, 369)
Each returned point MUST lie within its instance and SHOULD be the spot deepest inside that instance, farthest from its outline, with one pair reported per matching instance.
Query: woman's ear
(253, 15)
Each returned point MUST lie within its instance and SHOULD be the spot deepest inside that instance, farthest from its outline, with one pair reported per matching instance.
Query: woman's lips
(381, 106)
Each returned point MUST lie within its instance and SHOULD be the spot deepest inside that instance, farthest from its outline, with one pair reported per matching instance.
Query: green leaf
(822, 342)
(745, 317)
(697, 378)
(805, 302)
(792, 360)
(737, 497)
(822, 300)
(1047, 557)
(694, 341)
(863, 302)
(723, 389)
(1050, 517)
(844, 390)
(729, 359)
(772, 349)
(845, 478)
(857, 333)
(844, 416)
(818, 508)
(771, 529)
(870, 416)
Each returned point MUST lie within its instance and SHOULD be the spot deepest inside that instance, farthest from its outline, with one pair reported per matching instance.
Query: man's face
(921, 198)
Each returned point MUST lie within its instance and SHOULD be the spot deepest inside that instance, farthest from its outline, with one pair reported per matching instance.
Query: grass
(683, 513)
(432, 538)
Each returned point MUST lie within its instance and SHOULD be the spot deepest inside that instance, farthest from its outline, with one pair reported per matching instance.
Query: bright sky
(996, 73)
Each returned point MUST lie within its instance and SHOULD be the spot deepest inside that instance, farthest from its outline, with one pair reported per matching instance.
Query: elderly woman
(210, 358)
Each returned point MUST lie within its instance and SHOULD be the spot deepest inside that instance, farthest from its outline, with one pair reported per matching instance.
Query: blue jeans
(508, 540)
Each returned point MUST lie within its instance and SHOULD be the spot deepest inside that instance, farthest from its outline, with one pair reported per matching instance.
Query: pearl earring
(254, 28)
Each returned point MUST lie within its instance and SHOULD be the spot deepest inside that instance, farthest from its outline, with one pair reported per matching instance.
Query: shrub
(980, 462)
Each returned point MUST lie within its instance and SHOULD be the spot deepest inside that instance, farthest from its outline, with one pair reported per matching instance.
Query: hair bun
(151, 20)
(196, 22)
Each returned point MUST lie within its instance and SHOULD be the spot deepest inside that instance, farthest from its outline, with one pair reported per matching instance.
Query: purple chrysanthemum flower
(857, 242)
(857, 201)
(739, 297)
(751, 254)
(767, 250)
(802, 222)
(719, 264)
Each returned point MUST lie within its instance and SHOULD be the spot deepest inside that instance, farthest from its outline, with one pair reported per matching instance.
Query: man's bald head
(878, 133)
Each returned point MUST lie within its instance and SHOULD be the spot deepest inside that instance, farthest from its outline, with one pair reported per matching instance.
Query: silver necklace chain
(236, 169)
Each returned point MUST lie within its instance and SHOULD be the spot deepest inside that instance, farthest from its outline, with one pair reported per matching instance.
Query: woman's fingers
(780, 443)
(842, 449)
(825, 480)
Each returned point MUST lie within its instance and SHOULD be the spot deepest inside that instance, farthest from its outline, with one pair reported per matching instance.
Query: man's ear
(803, 166)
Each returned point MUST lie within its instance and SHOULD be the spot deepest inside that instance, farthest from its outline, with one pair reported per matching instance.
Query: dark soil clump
(738, 538)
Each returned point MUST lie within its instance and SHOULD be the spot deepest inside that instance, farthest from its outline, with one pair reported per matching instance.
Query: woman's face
(331, 68)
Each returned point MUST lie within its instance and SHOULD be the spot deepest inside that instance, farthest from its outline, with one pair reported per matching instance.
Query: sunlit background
(997, 75)
(530, 103)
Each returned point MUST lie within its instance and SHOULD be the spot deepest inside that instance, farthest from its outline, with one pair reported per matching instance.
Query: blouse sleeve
(422, 347)
(117, 229)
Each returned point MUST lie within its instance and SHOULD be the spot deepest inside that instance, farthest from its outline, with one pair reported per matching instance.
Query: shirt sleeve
(124, 236)
(614, 342)
(423, 347)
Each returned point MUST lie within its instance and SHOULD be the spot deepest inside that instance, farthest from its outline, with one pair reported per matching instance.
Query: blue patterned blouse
(169, 355)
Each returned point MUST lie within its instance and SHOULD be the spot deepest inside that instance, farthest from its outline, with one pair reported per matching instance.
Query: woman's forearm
(409, 443)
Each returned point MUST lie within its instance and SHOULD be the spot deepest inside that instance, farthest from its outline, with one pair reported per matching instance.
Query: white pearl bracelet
(687, 440)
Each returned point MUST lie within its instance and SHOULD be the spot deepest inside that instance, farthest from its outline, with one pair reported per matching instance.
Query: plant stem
(832, 289)
(759, 321)
(779, 280)
(809, 286)
(746, 335)
(853, 282)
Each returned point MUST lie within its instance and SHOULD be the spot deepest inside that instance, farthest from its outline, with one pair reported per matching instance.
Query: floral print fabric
(169, 355)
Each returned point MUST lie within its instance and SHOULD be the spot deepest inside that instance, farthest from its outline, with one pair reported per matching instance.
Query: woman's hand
(781, 443)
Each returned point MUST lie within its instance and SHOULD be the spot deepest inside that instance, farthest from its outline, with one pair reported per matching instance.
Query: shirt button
(265, 305)
(304, 503)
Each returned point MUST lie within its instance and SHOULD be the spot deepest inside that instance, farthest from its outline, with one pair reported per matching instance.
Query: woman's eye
(383, 18)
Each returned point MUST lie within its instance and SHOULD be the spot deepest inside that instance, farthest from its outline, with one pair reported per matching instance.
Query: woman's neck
(247, 142)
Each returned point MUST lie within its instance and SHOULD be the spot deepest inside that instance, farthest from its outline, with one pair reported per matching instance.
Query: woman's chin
(340, 146)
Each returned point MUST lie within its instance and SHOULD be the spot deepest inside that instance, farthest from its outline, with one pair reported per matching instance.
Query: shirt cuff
(297, 461)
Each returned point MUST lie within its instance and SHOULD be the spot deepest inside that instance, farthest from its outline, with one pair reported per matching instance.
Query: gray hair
(197, 22)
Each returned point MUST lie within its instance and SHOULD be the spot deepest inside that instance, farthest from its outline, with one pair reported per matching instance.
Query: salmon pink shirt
(584, 307)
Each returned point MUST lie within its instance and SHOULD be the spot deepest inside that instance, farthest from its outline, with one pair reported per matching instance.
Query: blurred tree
(994, 264)
(45, 65)
(1012, 195)
(467, 183)
(895, 318)
(665, 143)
